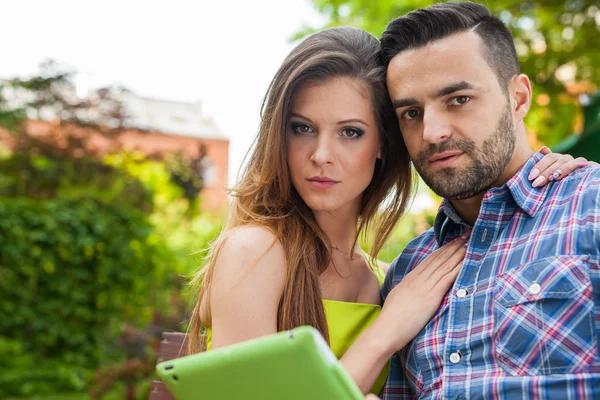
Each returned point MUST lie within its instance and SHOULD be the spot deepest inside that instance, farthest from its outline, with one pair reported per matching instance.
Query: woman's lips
(322, 182)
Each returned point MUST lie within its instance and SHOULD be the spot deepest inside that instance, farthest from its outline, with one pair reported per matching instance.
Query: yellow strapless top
(346, 321)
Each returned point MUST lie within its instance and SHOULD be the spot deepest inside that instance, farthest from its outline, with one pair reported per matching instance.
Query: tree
(51, 96)
(81, 130)
(90, 242)
(552, 38)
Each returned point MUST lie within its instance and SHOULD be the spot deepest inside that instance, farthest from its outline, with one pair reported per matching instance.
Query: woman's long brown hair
(265, 196)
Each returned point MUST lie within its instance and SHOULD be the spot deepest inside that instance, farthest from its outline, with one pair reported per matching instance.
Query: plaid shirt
(523, 318)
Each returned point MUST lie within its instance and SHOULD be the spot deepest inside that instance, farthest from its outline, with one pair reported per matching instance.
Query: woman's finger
(541, 166)
(452, 263)
(561, 168)
(549, 174)
(446, 282)
(568, 167)
(445, 253)
(545, 150)
(432, 257)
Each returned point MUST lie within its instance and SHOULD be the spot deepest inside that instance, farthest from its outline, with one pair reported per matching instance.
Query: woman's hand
(411, 304)
(406, 310)
(553, 167)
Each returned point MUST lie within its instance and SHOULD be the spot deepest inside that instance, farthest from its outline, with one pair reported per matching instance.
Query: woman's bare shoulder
(251, 252)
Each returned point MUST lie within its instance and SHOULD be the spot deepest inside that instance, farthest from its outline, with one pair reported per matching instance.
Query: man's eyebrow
(404, 102)
(455, 87)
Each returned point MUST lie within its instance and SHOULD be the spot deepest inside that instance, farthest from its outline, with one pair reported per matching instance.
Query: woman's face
(333, 143)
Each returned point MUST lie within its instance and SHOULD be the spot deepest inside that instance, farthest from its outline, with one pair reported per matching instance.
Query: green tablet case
(294, 365)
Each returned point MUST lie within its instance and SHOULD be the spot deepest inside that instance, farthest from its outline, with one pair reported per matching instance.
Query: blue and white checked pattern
(523, 318)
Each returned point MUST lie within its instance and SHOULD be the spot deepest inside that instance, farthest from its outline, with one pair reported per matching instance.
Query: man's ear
(520, 94)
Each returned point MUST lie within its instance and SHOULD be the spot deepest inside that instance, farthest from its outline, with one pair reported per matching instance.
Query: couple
(501, 298)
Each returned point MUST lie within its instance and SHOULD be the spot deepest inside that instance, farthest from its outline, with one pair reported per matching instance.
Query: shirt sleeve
(386, 287)
(397, 386)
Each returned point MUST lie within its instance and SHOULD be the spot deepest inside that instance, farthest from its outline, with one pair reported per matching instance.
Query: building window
(209, 172)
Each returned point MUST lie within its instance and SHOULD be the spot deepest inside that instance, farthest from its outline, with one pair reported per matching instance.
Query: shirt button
(535, 288)
(455, 357)
(462, 293)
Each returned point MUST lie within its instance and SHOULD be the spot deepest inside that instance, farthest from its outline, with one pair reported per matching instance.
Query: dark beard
(486, 167)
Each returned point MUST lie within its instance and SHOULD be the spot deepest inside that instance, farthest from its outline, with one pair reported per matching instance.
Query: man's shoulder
(586, 179)
(581, 186)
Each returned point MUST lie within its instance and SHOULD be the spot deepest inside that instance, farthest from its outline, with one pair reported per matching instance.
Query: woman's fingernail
(533, 174)
(465, 235)
(539, 181)
(583, 164)
(556, 174)
(543, 148)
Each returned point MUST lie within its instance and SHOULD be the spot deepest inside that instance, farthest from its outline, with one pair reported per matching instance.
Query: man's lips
(444, 154)
(445, 159)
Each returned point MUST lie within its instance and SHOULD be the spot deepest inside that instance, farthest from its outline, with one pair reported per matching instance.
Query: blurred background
(123, 123)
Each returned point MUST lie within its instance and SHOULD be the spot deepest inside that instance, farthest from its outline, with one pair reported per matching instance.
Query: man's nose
(436, 127)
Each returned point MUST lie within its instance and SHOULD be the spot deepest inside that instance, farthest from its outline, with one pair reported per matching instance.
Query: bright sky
(219, 52)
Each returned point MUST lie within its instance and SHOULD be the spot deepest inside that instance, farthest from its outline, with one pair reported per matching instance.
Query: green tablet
(295, 364)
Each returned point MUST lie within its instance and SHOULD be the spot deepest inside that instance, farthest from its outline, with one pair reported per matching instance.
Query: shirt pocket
(543, 317)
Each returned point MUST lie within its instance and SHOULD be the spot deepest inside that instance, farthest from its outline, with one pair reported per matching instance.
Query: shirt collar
(527, 197)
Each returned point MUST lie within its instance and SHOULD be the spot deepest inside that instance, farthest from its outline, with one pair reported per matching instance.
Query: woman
(329, 164)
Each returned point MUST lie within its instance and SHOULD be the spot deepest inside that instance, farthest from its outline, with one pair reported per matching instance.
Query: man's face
(456, 120)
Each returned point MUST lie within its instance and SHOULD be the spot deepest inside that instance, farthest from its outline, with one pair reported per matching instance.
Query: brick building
(158, 127)
(168, 126)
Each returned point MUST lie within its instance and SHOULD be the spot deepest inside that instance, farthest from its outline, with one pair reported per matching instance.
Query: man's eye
(301, 128)
(411, 114)
(460, 100)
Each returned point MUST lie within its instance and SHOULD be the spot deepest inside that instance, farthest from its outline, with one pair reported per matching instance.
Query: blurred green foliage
(557, 43)
(85, 248)
(587, 143)
(93, 250)
(71, 272)
(39, 177)
(177, 222)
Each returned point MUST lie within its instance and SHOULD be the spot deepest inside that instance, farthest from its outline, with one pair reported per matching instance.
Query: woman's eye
(352, 133)
(460, 100)
(301, 128)
(411, 114)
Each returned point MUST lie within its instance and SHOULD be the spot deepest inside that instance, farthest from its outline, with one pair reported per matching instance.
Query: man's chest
(525, 303)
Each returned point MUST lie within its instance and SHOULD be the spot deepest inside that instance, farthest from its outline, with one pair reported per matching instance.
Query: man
(522, 320)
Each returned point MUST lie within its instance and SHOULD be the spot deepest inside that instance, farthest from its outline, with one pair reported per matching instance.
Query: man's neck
(468, 209)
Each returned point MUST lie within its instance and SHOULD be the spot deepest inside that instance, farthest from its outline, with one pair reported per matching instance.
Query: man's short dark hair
(420, 27)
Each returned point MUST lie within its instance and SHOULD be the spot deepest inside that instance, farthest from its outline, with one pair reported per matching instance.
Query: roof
(170, 117)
